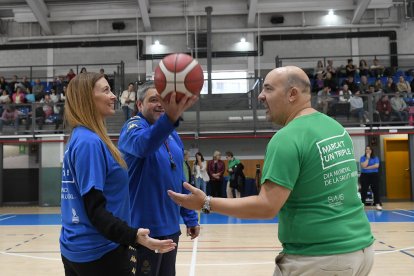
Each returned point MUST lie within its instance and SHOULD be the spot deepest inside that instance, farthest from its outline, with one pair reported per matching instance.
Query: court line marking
(28, 256)
(7, 218)
(194, 257)
(409, 211)
(403, 214)
(4, 215)
(393, 251)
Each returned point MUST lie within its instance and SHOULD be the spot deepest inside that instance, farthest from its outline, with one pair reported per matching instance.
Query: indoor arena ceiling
(46, 11)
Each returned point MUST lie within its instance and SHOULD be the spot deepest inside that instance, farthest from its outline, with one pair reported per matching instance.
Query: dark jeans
(370, 179)
(113, 263)
(127, 112)
(149, 263)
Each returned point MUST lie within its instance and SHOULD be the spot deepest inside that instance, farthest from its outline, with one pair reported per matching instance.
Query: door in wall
(397, 168)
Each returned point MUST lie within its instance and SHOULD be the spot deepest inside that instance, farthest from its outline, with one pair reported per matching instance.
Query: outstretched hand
(193, 201)
(160, 246)
(175, 109)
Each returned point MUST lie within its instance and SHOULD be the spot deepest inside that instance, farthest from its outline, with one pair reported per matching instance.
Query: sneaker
(378, 207)
(366, 120)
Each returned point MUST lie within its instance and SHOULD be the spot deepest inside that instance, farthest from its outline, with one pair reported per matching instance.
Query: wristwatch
(206, 209)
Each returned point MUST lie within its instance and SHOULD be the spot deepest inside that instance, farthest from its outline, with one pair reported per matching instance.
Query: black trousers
(215, 187)
(113, 263)
(149, 263)
(370, 179)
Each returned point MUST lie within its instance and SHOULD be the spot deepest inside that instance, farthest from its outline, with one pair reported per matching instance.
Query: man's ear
(139, 105)
(293, 94)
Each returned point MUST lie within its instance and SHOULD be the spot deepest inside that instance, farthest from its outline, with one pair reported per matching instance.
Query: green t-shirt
(313, 157)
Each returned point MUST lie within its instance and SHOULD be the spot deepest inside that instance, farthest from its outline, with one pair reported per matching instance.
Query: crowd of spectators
(349, 88)
(23, 101)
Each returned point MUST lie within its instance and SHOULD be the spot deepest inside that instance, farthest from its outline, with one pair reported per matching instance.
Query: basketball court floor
(226, 246)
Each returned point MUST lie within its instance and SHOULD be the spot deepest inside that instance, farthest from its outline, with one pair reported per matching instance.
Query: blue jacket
(151, 175)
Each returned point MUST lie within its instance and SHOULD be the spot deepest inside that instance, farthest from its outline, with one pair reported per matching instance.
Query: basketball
(178, 72)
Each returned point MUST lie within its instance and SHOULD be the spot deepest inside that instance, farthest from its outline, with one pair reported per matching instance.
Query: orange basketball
(178, 72)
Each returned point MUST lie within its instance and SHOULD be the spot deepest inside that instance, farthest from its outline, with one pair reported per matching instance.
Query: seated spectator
(345, 94)
(62, 97)
(13, 83)
(363, 84)
(324, 99)
(357, 108)
(318, 83)
(3, 84)
(30, 97)
(378, 85)
(403, 86)
(19, 96)
(58, 84)
(4, 98)
(390, 86)
(331, 69)
(377, 70)
(54, 96)
(70, 75)
(38, 90)
(351, 83)
(10, 116)
(83, 70)
(363, 69)
(350, 68)
(330, 81)
(374, 95)
(384, 108)
(399, 107)
(320, 69)
(26, 83)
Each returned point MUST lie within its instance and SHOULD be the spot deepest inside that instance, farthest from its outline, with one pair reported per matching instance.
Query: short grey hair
(143, 89)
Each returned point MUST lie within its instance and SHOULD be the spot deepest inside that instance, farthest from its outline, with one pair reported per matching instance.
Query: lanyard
(172, 163)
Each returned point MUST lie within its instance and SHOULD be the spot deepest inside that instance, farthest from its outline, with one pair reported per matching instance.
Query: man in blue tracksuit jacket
(154, 154)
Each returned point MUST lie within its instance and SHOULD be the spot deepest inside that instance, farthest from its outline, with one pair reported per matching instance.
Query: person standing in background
(128, 98)
(187, 168)
(215, 170)
(369, 176)
(200, 172)
(232, 163)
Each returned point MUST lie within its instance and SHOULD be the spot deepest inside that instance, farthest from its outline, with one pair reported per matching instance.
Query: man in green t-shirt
(310, 180)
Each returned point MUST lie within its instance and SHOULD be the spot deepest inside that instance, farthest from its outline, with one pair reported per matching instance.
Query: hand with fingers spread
(159, 246)
(192, 201)
(175, 109)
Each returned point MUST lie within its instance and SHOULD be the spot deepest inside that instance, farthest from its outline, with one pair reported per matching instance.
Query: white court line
(28, 256)
(403, 214)
(409, 211)
(193, 257)
(393, 251)
(7, 218)
(4, 215)
(231, 264)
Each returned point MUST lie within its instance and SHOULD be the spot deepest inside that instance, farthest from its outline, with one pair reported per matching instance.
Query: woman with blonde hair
(215, 170)
(95, 233)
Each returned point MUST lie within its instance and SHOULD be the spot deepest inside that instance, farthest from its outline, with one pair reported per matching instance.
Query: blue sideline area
(54, 219)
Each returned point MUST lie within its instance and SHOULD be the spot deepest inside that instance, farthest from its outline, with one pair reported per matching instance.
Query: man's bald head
(286, 92)
(295, 77)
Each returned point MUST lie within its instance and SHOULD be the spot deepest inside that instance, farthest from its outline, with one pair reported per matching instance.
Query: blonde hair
(80, 110)
(216, 153)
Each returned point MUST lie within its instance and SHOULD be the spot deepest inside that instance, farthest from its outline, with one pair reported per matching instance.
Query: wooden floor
(221, 249)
